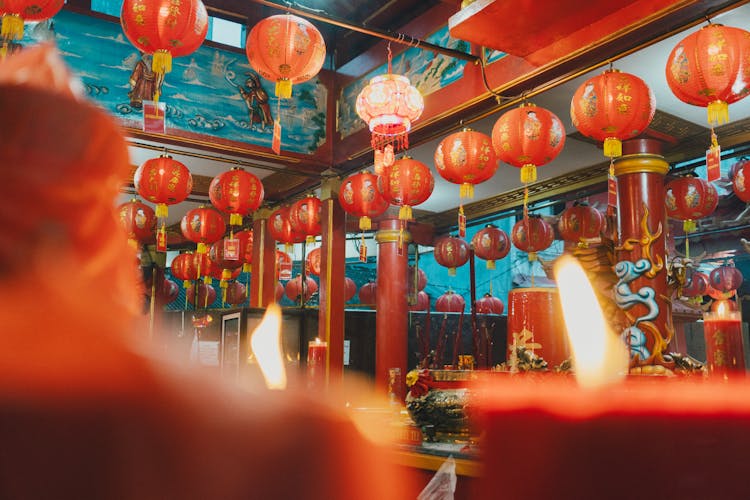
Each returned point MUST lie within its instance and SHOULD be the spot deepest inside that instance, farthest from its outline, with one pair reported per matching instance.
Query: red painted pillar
(641, 268)
(332, 272)
(263, 278)
(392, 313)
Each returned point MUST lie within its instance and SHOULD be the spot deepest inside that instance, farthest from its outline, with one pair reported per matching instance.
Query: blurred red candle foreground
(723, 333)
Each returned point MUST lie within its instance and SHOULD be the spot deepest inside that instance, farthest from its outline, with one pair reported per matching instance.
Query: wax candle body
(317, 355)
(723, 335)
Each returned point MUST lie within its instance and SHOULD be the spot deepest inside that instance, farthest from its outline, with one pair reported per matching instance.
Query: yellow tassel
(718, 112)
(404, 213)
(612, 147)
(490, 264)
(246, 268)
(365, 223)
(226, 274)
(223, 297)
(235, 220)
(202, 248)
(162, 210)
(309, 239)
(533, 257)
(186, 284)
(283, 88)
(467, 190)
(528, 173)
(223, 284)
(207, 280)
(288, 247)
(689, 226)
(12, 27)
(451, 271)
(161, 62)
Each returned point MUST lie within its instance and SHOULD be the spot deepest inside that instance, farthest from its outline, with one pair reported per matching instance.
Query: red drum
(535, 321)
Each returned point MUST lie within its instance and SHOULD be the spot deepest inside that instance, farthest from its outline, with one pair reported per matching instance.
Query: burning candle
(317, 355)
(265, 343)
(722, 330)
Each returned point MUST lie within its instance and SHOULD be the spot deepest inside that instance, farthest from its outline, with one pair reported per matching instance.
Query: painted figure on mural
(144, 83)
(256, 100)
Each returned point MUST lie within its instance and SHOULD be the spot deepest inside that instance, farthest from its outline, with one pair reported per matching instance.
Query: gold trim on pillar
(641, 163)
(391, 236)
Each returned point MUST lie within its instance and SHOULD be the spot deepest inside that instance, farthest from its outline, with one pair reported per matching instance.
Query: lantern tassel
(12, 27)
(533, 257)
(689, 226)
(247, 267)
(283, 88)
(309, 239)
(365, 223)
(162, 210)
(467, 190)
(405, 212)
(528, 173)
(490, 264)
(235, 219)
(161, 62)
(186, 284)
(202, 248)
(451, 271)
(718, 112)
(207, 280)
(226, 274)
(612, 147)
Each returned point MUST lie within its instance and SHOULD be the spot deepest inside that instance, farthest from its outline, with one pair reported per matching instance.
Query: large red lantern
(532, 234)
(451, 252)
(294, 288)
(490, 305)
(689, 199)
(528, 137)
(406, 183)
(285, 49)
(360, 197)
(190, 266)
(312, 262)
(350, 288)
(237, 193)
(368, 293)
(491, 244)
(15, 12)
(725, 278)
(205, 296)
(235, 293)
(138, 220)
(580, 223)
(422, 303)
(709, 68)
(304, 217)
(164, 181)
(696, 285)
(281, 230)
(202, 225)
(741, 180)
(450, 302)
(466, 158)
(164, 28)
(611, 108)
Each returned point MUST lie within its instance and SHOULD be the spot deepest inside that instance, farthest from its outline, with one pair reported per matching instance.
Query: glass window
(226, 32)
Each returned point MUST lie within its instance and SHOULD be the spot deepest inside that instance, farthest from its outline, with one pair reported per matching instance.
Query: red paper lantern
(281, 230)
(725, 279)
(15, 12)
(491, 244)
(422, 303)
(580, 223)
(165, 29)
(294, 288)
(368, 293)
(718, 295)
(490, 305)
(217, 254)
(406, 183)
(709, 68)
(532, 234)
(283, 265)
(166, 292)
(741, 180)
(466, 158)
(163, 181)
(451, 252)
(245, 239)
(138, 220)
(235, 294)
(304, 217)
(421, 279)
(360, 197)
(202, 225)
(696, 285)
(312, 262)
(224, 275)
(285, 49)
(528, 137)
(279, 291)
(237, 193)
(450, 302)
(190, 266)
(611, 108)
(689, 199)
(206, 295)
(350, 288)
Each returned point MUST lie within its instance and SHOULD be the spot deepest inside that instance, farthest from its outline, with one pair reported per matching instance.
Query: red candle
(723, 333)
(317, 355)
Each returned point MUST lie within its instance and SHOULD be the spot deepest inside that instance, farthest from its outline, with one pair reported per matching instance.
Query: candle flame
(265, 343)
(599, 356)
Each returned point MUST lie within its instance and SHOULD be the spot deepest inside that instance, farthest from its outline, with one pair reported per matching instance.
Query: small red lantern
(528, 137)
(15, 12)
(235, 293)
(725, 278)
(696, 285)
(532, 234)
(294, 288)
(491, 244)
(611, 108)
(580, 223)
(709, 68)
(165, 29)
(229, 268)
(741, 180)
(490, 305)
(138, 220)
(237, 193)
(368, 293)
(422, 303)
(166, 292)
(283, 265)
(360, 197)
(451, 252)
(279, 291)
(190, 266)
(406, 183)
(245, 239)
(350, 288)
(420, 278)
(206, 295)
(223, 275)
(718, 295)
(466, 158)
(689, 199)
(312, 262)
(285, 49)
(450, 302)
(281, 230)
(202, 225)
(304, 217)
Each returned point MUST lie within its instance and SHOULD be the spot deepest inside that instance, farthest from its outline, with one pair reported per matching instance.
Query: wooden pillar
(263, 280)
(332, 272)
(392, 313)
(641, 269)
